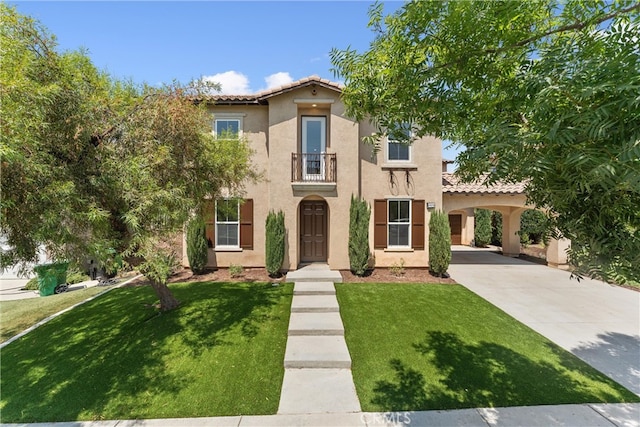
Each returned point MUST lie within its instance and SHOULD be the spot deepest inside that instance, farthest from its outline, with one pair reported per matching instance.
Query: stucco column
(468, 222)
(557, 252)
(510, 228)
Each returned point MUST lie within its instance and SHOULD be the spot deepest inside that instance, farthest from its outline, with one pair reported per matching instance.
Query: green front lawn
(18, 315)
(421, 347)
(115, 357)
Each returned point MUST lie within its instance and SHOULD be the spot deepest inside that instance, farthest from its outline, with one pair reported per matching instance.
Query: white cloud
(236, 83)
(278, 79)
(231, 82)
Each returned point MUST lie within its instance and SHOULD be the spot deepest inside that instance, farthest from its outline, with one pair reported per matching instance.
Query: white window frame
(228, 117)
(323, 148)
(237, 223)
(409, 151)
(408, 224)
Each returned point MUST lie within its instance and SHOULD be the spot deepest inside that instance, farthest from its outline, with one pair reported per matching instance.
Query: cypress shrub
(482, 234)
(439, 243)
(496, 228)
(197, 247)
(274, 242)
(359, 214)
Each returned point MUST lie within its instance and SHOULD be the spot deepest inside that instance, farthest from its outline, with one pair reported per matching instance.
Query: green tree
(538, 91)
(534, 227)
(439, 243)
(89, 162)
(359, 254)
(274, 242)
(197, 248)
(482, 228)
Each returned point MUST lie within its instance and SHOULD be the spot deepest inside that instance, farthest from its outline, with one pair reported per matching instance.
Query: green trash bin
(50, 276)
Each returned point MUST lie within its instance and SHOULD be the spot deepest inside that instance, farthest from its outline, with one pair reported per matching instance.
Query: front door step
(314, 273)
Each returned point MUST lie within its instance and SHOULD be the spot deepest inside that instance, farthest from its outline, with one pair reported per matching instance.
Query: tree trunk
(167, 300)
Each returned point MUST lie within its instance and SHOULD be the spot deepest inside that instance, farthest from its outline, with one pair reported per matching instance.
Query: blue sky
(246, 46)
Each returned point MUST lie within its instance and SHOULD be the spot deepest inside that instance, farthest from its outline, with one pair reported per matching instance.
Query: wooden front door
(313, 231)
(455, 223)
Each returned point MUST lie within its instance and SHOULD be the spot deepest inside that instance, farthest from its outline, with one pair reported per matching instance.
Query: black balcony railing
(311, 167)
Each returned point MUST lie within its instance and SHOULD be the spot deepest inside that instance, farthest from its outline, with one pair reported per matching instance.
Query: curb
(53, 316)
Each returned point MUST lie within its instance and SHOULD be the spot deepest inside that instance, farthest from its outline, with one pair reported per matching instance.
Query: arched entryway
(460, 200)
(314, 233)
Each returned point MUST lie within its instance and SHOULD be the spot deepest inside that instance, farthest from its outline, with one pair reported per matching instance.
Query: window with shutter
(399, 213)
(230, 224)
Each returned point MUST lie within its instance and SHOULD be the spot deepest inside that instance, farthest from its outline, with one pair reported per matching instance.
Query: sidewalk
(605, 415)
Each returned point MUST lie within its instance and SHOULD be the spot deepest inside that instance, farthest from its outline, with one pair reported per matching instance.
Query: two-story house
(312, 159)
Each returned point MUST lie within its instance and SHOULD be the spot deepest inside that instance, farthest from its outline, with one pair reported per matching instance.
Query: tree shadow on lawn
(111, 352)
(490, 375)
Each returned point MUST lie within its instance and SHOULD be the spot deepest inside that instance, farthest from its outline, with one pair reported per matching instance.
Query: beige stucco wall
(511, 207)
(342, 139)
(424, 183)
(255, 129)
(274, 133)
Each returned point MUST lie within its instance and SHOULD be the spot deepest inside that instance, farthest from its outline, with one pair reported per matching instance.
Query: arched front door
(313, 231)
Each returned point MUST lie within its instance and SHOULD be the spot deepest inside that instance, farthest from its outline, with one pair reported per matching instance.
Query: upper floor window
(227, 126)
(397, 149)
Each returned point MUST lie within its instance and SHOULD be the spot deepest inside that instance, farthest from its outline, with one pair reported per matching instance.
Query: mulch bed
(385, 275)
(379, 275)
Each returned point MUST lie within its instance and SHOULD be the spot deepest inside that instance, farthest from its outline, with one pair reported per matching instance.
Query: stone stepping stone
(317, 352)
(316, 324)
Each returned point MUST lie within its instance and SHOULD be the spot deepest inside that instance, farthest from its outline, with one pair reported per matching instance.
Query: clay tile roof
(451, 184)
(261, 97)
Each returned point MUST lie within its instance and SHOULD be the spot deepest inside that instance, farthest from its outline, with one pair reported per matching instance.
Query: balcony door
(314, 146)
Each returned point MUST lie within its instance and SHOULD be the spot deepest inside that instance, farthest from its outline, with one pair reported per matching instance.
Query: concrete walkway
(317, 376)
(597, 322)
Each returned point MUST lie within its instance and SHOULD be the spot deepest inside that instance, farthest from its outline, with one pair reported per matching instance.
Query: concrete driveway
(11, 289)
(597, 322)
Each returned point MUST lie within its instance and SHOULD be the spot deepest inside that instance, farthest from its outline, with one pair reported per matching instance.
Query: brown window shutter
(209, 214)
(246, 224)
(379, 224)
(417, 224)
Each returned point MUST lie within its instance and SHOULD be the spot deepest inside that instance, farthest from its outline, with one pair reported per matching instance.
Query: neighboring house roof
(262, 97)
(451, 184)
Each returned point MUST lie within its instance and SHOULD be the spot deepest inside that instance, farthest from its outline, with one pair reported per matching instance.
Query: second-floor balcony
(313, 168)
